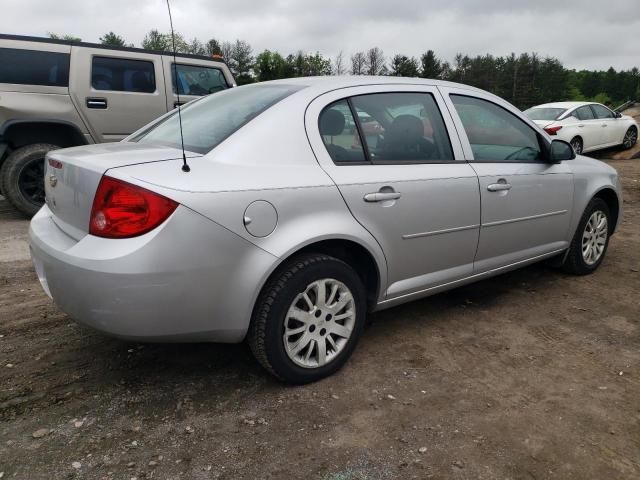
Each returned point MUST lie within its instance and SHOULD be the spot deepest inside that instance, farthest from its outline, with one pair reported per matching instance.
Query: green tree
(241, 62)
(269, 66)
(163, 42)
(403, 66)
(113, 40)
(430, 65)
(70, 38)
(213, 47)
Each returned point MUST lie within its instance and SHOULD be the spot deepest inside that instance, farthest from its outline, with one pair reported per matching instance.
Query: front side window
(197, 80)
(494, 133)
(584, 113)
(123, 75)
(339, 133)
(602, 112)
(33, 67)
(209, 121)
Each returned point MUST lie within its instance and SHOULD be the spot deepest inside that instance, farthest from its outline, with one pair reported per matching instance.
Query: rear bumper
(188, 280)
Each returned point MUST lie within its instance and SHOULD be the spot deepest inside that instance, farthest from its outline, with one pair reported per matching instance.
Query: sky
(590, 34)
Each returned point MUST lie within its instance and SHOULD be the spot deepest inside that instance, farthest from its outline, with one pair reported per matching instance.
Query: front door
(403, 179)
(116, 92)
(588, 127)
(526, 201)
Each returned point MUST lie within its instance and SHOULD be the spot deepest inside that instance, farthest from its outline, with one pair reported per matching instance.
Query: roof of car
(59, 41)
(566, 105)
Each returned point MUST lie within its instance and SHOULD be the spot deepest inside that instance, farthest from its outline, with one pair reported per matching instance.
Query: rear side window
(33, 67)
(208, 121)
(494, 133)
(197, 80)
(584, 113)
(339, 133)
(123, 75)
(402, 128)
(545, 113)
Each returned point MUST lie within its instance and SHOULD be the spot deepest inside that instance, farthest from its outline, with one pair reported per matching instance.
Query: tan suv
(55, 93)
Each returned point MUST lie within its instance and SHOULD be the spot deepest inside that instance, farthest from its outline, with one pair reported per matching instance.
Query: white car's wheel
(630, 138)
(576, 143)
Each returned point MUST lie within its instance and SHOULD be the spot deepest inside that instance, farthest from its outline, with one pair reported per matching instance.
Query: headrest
(405, 129)
(332, 123)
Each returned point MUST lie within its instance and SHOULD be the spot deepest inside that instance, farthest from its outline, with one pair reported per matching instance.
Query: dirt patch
(529, 375)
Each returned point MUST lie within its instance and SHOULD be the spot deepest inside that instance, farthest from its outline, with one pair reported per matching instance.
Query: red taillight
(122, 210)
(552, 130)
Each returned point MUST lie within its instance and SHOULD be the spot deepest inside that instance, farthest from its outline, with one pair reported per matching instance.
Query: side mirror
(561, 150)
(617, 114)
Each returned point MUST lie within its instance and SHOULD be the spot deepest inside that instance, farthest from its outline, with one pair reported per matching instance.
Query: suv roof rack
(26, 38)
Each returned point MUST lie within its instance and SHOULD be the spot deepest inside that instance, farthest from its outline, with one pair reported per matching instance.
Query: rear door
(195, 78)
(588, 127)
(526, 201)
(117, 92)
(406, 182)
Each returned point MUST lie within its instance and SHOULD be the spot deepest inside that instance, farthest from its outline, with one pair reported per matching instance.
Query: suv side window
(339, 133)
(601, 112)
(197, 80)
(584, 113)
(496, 134)
(402, 128)
(123, 75)
(33, 67)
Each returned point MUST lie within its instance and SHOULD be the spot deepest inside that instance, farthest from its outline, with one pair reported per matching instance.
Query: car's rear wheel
(589, 244)
(576, 143)
(22, 177)
(630, 138)
(308, 319)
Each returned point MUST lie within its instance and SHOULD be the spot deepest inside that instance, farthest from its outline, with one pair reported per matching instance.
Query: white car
(586, 126)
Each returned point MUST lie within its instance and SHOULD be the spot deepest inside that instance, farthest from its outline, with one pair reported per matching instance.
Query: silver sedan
(301, 205)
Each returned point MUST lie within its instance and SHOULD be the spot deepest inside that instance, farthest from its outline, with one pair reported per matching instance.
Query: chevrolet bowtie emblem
(53, 180)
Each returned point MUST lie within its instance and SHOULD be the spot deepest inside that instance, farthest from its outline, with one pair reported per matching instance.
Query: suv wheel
(22, 177)
(591, 239)
(308, 319)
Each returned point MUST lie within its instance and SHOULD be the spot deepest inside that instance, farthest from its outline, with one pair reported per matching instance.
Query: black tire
(266, 331)
(575, 263)
(577, 144)
(22, 177)
(630, 138)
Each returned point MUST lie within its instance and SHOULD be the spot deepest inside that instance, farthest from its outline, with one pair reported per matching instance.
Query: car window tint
(31, 67)
(197, 80)
(584, 113)
(403, 127)
(339, 133)
(602, 112)
(494, 133)
(123, 75)
(208, 121)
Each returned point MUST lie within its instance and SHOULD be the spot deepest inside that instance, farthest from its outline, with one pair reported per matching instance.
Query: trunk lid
(72, 176)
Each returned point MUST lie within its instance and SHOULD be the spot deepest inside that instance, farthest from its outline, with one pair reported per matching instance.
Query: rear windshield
(545, 113)
(33, 67)
(207, 122)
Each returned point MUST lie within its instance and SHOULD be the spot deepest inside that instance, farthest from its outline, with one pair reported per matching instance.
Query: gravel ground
(530, 375)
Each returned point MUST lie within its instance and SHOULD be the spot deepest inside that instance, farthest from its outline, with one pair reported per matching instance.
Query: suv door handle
(177, 104)
(499, 187)
(96, 103)
(382, 196)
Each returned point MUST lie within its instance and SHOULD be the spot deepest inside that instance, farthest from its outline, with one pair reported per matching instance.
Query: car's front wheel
(590, 242)
(576, 143)
(630, 137)
(308, 318)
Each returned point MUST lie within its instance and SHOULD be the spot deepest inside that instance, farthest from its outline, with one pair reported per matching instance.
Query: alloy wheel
(630, 138)
(319, 323)
(594, 237)
(576, 144)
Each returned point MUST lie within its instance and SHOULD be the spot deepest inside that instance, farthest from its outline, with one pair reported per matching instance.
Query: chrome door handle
(100, 103)
(381, 196)
(581, 126)
(499, 187)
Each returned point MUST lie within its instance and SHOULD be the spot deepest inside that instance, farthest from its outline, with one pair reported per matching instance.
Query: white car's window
(209, 121)
(494, 133)
(402, 128)
(584, 113)
(122, 75)
(602, 112)
(197, 80)
(339, 133)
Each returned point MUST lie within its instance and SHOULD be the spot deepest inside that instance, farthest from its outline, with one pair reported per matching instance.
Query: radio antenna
(185, 165)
